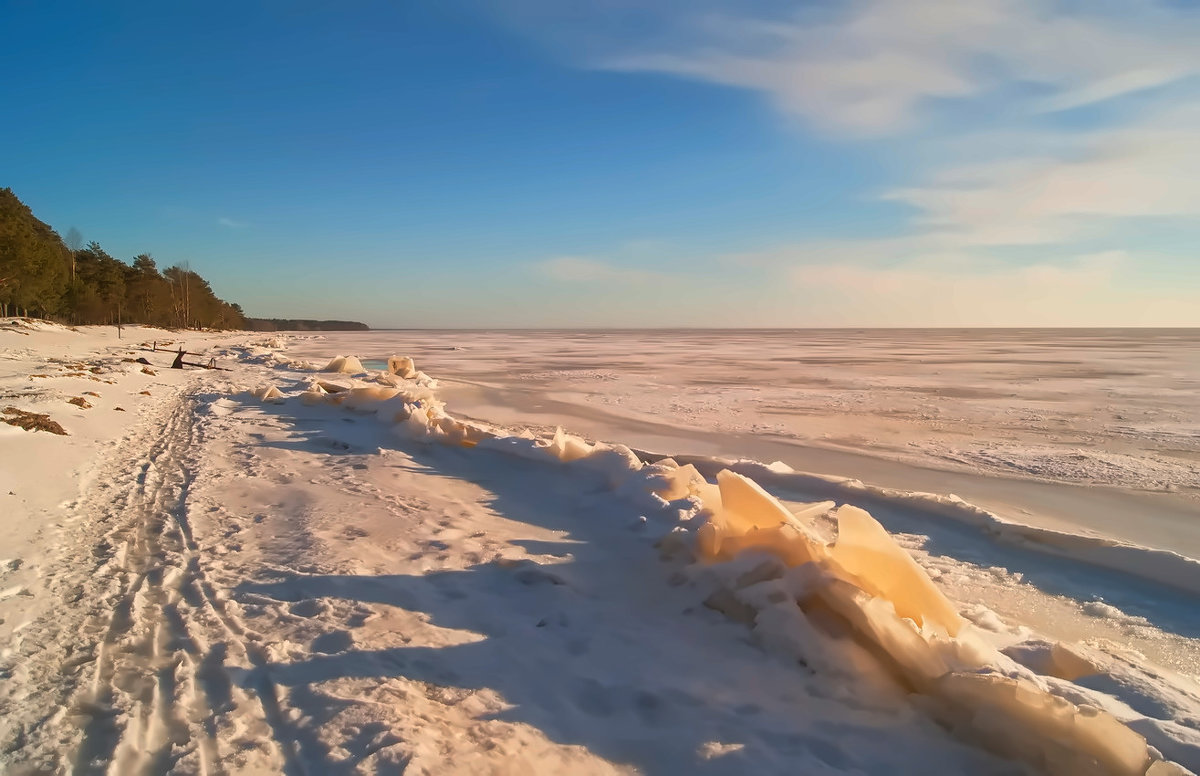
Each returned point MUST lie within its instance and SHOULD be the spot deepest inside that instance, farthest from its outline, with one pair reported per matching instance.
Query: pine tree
(42, 275)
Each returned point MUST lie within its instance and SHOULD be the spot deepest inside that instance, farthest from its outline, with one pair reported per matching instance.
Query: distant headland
(287, 324)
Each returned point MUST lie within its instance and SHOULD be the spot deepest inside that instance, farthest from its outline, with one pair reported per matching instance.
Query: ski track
(124, 682)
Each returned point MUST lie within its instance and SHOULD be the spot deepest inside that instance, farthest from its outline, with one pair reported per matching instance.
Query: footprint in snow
(333, 642)
(360, 616)
(594, 698)
(534, 577)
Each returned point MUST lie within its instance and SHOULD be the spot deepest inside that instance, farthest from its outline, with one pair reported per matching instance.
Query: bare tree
(180, 282)
(187, 300)
(75, 244)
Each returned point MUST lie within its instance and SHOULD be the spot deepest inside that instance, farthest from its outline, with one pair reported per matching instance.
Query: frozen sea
(1086, 430)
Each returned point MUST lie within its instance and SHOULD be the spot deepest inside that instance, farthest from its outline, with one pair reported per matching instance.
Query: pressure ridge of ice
(858, 607)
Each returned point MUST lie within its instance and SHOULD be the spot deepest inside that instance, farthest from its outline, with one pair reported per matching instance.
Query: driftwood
(179, 364)
(209, 365)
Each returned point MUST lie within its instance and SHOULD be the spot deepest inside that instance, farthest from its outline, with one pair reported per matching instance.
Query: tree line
(44, 276)
(302, 324)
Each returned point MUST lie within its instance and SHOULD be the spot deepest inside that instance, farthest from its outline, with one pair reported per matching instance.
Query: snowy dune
(279, 569)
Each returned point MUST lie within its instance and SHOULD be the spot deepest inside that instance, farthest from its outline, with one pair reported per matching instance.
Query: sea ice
(402, 366)
(349, 365)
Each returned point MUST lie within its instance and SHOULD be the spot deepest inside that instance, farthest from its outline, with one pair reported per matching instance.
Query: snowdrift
(858, 609)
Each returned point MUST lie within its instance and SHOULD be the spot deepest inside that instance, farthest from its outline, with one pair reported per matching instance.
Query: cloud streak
(871, 67)
(1143, 171)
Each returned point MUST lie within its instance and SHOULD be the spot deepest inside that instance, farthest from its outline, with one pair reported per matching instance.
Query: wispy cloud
(1151, 169)
(579, 269)
(231, 223)
(1015, 210)
(869, 67)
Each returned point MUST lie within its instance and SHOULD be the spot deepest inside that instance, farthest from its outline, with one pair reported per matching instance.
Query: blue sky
(536, 163)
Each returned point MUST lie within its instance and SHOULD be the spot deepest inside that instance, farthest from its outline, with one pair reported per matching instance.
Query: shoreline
(1028, 501)
(1089, 408)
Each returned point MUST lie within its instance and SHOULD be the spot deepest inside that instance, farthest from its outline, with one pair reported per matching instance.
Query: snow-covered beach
(342, 575)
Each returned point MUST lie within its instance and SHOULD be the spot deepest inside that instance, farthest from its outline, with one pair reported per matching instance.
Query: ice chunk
(750, 505)
(1016, 719)
(349, 365)
(807, 512)
(787, 542)
(363, 396)
(457, 432)
(1066, 663)
(674, 482)
(867, 556)
(875, 619)
(896, 611)
(266, 392)
(402, 366)
(314, 395)
(567, 448)
(329, 387)
(745, 516)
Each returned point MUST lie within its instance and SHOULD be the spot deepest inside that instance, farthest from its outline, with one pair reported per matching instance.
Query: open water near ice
(1092, 430)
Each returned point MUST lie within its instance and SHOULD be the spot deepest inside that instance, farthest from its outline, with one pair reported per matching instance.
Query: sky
(554, 163)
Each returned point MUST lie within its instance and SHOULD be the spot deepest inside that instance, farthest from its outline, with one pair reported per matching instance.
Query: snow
(265, 570)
